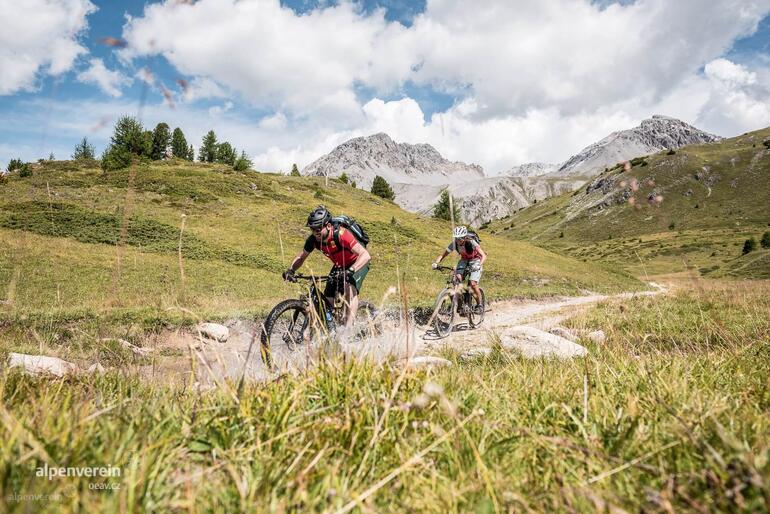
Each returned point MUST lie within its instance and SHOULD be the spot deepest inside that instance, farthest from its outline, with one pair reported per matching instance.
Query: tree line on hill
(131, 140)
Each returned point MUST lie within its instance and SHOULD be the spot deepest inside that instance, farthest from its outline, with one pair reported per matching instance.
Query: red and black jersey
(341, 255)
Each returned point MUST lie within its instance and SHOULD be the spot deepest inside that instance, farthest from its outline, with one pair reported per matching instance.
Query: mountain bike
(463, 303)
(294, 322)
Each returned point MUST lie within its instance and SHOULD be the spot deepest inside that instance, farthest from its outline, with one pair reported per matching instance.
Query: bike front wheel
(476, 310)
(444, 313)
(288, 323)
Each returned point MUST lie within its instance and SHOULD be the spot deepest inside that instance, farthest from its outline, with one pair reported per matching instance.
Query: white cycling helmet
(460, 232)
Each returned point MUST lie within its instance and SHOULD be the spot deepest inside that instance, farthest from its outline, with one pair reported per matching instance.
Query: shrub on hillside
(84, 151)
(25, 171)
(381, 188)
(294, 171)
(14, 165)
(765, 241)
(344, 178)
(116, 158)
(242, 163)
(749, 245)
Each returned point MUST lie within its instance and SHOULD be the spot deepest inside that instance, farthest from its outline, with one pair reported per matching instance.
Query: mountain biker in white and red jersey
(472, 259)
(350, 258)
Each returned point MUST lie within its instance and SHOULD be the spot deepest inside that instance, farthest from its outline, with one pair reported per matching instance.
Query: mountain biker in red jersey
(350, 259)
(472, 259)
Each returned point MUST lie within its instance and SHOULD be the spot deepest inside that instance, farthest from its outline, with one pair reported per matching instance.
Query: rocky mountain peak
(650, 136)
(363, 158)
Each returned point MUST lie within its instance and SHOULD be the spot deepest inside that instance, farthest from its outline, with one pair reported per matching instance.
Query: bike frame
(462, 287)
(318, 300)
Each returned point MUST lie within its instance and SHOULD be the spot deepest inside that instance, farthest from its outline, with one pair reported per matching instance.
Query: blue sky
(508, 83)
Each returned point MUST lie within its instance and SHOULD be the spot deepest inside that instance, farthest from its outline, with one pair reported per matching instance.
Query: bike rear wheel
(288, 323)
(476, 310)
(444, 313)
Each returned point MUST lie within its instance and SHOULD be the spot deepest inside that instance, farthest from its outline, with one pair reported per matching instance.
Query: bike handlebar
(297, 276)
(444, 268)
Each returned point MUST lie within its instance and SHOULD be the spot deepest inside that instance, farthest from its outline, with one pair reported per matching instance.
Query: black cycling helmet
(319, 217)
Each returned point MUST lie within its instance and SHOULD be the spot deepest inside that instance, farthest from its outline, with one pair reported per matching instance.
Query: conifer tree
(381, 188)
(226, 154)
(441, 209)
(179, 144)
(208, 149)
(84, 151)
(161, 139)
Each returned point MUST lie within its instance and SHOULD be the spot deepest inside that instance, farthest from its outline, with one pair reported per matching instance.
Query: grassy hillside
(59, 230)
(689, 208)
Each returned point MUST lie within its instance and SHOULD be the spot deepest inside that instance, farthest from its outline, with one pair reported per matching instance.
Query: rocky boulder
(41, 364)
(597, 336)
(214, 331)
(533, 343)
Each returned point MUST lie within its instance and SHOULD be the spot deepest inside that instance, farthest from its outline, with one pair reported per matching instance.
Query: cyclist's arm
(363, 256)
(299, 260)
(443, 255)
(483, 255)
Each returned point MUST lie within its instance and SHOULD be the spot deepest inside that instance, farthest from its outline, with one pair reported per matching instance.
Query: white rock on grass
(96, 369)
(597, 336)
(427, 361)
(214, 331)
(565, 333)
(473, 353)
(41, 364)
(532, 343)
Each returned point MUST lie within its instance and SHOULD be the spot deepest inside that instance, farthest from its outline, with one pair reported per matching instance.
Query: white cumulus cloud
(739, 100)
(109, 81)
(39, 36)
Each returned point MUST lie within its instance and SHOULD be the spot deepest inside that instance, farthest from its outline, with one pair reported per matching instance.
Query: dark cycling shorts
(332, 286)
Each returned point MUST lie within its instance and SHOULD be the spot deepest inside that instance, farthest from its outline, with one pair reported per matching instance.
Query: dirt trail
(239, 357)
